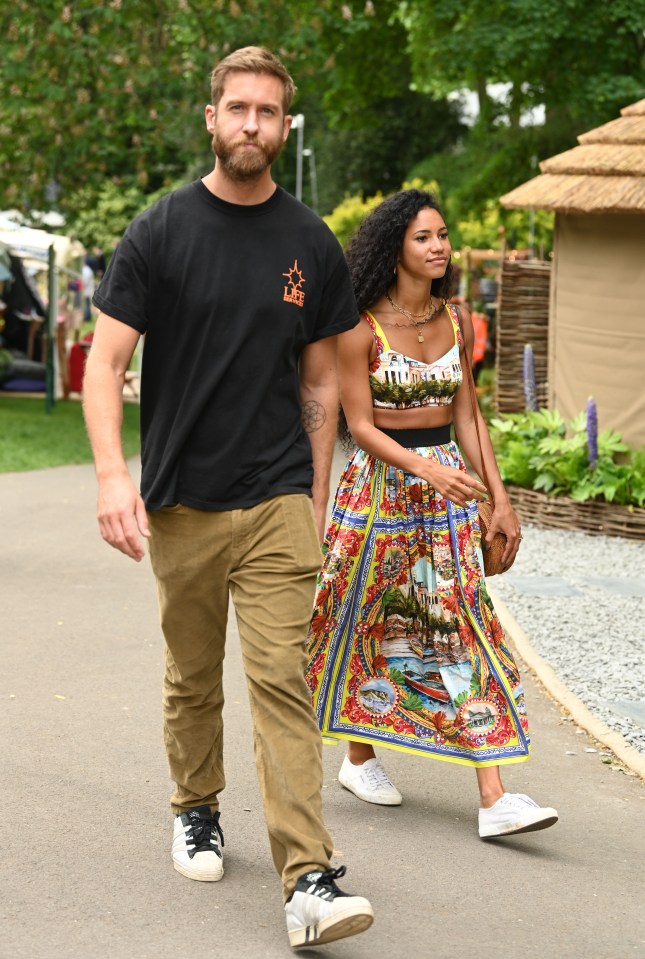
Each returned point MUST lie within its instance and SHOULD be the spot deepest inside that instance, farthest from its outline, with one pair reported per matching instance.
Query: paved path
(85, 868)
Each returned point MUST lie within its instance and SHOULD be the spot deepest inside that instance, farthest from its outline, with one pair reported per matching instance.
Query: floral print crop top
(399, 382)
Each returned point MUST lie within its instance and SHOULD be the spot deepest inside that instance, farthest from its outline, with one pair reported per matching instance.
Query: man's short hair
(252, 60)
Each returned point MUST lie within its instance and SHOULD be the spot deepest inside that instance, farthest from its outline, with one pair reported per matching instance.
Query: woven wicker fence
(522, 317)
(559, 512)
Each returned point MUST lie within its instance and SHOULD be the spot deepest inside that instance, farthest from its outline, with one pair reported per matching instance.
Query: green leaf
(543, 482)
(413, 703)
(579, 423)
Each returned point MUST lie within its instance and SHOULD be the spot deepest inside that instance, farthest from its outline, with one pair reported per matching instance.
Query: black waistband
(430, 436)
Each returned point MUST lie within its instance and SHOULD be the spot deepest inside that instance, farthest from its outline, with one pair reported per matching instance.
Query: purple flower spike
(530, 391)
(592, 432)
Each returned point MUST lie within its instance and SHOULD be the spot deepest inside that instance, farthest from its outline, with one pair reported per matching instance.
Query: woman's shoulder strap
(379, 336)
(455, 319)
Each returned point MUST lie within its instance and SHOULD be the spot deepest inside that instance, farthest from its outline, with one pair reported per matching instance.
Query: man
(89, 285)
(240, 291)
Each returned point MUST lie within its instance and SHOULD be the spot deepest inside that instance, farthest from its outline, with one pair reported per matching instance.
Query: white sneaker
(197, 845)
(318, 912)
(370, 782)
(513, 813)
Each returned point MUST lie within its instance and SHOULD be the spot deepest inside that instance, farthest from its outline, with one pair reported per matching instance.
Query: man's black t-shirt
(227, 297)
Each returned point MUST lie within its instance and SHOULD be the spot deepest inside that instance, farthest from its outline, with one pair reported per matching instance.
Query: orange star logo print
(292, 290)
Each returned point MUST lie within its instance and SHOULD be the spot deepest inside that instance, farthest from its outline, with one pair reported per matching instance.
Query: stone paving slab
(635, 710)
(85, 867)
(619, 587)
(567, 586)
(542, 585)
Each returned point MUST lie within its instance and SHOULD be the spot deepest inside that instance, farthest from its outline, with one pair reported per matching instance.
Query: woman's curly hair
(373, 251)
(372, 255)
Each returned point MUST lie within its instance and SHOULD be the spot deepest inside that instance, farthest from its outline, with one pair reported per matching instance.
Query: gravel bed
(580, 600)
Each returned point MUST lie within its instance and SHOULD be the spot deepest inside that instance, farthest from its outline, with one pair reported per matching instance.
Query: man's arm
(120, 507)
(319, 398)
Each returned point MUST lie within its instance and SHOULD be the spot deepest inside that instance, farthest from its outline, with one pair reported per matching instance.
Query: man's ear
(209, 113)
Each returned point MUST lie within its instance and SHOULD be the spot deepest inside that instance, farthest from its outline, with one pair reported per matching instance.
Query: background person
(240, 290)
(405, 647)
(89, 286)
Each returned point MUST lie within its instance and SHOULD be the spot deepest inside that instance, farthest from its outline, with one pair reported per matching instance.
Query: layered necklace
(417, 320)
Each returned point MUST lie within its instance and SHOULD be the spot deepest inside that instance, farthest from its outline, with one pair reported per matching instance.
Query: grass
(31, 439)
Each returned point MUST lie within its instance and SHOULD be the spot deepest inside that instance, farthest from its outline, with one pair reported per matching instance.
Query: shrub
(538, 450)
(346, 218)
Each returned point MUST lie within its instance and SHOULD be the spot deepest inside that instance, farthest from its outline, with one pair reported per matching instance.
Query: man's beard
(245, 164)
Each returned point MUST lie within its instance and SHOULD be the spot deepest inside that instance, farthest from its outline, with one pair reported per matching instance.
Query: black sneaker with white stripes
(319, 912)
(197, 845)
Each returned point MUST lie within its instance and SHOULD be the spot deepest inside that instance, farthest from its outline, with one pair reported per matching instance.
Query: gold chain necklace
(414, 317)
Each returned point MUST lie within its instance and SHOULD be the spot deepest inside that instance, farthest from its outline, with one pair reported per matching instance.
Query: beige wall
(597, 327)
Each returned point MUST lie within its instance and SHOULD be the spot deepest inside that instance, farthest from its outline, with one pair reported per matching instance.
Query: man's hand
(122, 516)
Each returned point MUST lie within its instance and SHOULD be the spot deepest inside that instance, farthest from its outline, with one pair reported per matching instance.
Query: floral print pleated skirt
(405, 649)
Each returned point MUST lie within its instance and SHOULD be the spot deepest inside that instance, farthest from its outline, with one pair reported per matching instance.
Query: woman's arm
(504, 517)
(354, 349)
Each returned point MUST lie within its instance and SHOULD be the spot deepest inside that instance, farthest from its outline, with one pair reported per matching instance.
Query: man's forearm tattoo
(313, 416)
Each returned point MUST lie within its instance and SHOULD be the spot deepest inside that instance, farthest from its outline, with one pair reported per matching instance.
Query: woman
(405, 647)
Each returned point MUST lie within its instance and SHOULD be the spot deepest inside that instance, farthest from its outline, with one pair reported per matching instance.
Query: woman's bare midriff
(414, 419)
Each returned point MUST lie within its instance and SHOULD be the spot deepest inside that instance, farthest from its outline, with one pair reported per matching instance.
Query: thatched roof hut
(597, 304)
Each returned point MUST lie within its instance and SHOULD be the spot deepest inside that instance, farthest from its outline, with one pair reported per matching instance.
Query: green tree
(103, 216)
(111, 90)
(110, 93)
(582, 61)
(377, 126)
(483, 230)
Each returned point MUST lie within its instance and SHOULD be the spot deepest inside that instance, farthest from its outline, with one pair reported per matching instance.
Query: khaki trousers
(268, 557)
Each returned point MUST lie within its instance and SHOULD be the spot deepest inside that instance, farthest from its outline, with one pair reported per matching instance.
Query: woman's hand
(505, 520)
(453, 484)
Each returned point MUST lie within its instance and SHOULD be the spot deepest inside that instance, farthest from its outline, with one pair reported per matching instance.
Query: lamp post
(298, 124)
(309, 152)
